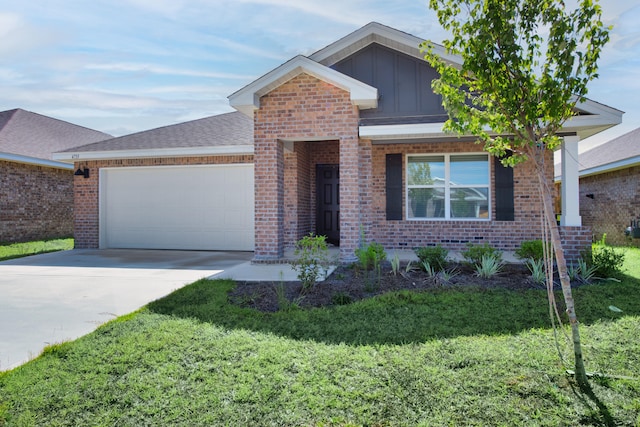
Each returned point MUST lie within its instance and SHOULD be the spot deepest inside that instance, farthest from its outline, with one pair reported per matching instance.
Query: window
(448, 186)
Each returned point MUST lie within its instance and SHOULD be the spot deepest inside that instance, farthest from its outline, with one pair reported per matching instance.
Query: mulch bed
(349, 284)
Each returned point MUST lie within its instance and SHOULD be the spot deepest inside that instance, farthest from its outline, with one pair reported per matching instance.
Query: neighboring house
(36, 192)
(610, 188)
(347, 143)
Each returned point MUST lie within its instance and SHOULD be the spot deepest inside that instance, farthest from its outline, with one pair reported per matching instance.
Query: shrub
(312, 259)
(434, 256)
(475, 253)
(530, 249)
(606, 261)
(371, 256)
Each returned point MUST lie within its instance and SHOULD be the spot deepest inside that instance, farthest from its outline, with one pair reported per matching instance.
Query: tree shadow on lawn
(404, 316)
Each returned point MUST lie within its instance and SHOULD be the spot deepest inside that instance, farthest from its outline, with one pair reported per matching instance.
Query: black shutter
(504, 191)
(394, 186)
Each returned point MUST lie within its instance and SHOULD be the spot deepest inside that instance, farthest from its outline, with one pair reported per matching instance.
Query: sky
(123, 66)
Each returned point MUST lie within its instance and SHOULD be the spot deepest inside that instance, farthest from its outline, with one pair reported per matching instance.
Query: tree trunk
(565, 283)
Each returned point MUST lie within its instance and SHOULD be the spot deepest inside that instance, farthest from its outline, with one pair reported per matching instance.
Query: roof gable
(375, 32)
(247, 99)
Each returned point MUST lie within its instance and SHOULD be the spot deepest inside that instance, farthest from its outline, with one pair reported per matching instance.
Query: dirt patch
(348, 284)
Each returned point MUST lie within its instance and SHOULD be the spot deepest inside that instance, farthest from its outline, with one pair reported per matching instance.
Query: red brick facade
(36, 202)
(616, 200)
(87, 197)
(303, 109)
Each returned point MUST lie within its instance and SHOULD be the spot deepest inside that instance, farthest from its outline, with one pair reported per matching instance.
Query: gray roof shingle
(621, 148)
(225, 129)
(33, 135)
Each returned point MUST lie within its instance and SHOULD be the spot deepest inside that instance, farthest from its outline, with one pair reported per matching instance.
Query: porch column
(269, 198)
(349, 197)
(570, 183)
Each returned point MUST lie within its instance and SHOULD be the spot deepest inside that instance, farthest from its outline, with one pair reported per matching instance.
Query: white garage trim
(196, 207)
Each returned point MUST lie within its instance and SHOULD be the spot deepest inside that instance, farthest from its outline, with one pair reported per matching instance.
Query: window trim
(447, 187)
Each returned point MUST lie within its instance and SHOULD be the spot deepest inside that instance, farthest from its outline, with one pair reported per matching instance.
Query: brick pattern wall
(86, 190)
(302, 109)
(616, 200)
(453, 235)
(36, 202)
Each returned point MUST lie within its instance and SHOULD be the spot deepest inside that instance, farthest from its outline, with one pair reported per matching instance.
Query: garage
(204, 207)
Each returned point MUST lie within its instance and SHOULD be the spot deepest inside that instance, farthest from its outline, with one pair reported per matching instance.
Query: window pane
(470, 170)
(469, 203)
(426, 170)
(426, 203)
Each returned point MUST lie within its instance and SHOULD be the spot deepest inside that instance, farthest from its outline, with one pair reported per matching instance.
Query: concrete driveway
(56, 297)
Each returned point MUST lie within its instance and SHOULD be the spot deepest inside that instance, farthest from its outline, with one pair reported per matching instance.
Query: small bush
(371, 256)
(312, 259)
(434, 256)
(530, 249)
(606, 261)
(475, 253)
(538, 273)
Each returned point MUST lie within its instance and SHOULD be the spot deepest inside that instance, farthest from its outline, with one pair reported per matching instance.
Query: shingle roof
(225, 129)
(33, 135)
(624, 147)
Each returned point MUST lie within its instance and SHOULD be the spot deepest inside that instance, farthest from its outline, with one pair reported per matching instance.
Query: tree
(517, 87)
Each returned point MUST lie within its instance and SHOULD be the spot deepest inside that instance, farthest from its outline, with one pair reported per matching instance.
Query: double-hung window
(448, 186)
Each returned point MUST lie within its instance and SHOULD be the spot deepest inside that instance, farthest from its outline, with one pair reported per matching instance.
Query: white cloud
(155, 69)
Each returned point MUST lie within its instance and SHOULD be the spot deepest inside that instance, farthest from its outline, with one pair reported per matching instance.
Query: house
(346, 142)
(36, 192)
(610, 188)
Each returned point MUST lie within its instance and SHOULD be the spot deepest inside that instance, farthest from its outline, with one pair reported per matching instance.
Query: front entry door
(328, 202)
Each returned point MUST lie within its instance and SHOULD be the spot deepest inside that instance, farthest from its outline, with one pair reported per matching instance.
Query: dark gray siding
(403, 83)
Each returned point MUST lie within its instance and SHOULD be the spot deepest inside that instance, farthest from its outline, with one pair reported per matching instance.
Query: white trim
(570, 187)
(381, 34)
(610, 167)
(247, 99)
(447, 188)
(223, 150)
(34, 161)
(411, 131)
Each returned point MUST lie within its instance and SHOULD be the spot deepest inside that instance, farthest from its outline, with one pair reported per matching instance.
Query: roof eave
(226, 150)
(247, 99)
(34, 161)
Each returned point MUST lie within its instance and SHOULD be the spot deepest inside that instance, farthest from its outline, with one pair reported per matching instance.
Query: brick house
(346, 142)
(36, 192)
(610, 188)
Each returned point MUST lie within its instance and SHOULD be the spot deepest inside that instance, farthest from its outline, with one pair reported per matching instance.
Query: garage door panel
(186, 207)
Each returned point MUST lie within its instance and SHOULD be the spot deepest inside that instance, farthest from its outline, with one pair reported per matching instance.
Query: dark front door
(328, 194)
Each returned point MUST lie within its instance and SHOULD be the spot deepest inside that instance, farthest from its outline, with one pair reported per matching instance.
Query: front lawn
(446, 357)
(18, 250)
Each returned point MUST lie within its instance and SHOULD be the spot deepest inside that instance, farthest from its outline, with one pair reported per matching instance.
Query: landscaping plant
(435, 256)
(312, 262)
(474, 254)
(525, 66)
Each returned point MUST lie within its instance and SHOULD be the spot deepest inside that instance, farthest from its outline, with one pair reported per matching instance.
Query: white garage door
(182, 207)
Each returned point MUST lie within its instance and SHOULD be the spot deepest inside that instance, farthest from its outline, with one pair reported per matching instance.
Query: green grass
(17, 250)
(452, 357)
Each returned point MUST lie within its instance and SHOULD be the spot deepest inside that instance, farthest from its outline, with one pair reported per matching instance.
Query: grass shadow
(399, 317)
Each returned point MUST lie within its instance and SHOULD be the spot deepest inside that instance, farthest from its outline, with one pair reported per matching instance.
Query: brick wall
(506, 235)
(36, 202)
(616, 200)
(86, 190)
(302, 109)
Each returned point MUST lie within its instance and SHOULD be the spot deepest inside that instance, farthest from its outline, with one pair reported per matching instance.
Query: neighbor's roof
(229, 133)
(619, 153)
(30, 135)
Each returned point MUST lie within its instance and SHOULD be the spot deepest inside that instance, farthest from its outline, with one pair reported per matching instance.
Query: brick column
(349, 197)
(269, 198)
